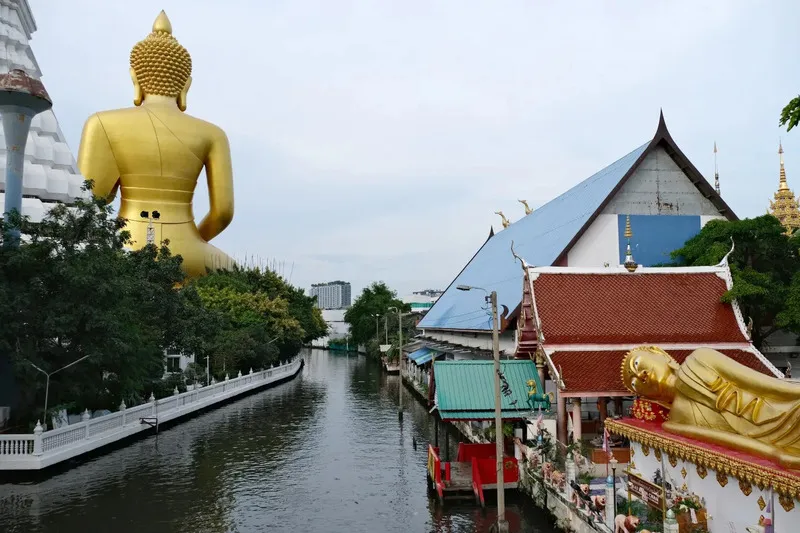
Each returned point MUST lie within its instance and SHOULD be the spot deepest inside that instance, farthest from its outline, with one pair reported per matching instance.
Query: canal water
(324, 453)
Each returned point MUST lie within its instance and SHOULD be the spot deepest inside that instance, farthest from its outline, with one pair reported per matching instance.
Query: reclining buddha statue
(154, 153)
(714, 399)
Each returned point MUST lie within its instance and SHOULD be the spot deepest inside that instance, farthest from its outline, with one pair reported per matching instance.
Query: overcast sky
(374, 140)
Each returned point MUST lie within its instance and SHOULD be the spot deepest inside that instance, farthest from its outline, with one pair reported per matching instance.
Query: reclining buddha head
(160, 65)
(650, 372)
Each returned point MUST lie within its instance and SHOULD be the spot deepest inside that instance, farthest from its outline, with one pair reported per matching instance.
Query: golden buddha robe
(721, 401)
(155, 155)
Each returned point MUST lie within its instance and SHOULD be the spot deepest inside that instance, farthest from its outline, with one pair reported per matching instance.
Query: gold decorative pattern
(684, 472)
(746, 487)
(645, 450)
(701, 471)
(787, 502)
(684, 488)
(673, 460)
(781, 481)
(656, 453)
(761, 502)
(785, 206)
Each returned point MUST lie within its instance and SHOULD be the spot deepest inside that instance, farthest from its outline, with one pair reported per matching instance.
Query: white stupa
(51, 175)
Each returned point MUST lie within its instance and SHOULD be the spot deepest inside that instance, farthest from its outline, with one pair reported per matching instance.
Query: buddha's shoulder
(126, 115)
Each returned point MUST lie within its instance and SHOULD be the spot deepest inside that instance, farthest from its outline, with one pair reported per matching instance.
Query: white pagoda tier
(51, 175)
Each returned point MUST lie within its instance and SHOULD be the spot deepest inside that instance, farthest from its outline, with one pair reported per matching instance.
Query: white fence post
(37, 439)
(122, 408)
(85, 417)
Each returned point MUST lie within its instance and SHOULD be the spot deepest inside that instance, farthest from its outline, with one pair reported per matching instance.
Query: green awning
(465, 389)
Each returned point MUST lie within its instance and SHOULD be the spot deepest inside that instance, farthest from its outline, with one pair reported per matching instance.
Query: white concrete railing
(44, 448)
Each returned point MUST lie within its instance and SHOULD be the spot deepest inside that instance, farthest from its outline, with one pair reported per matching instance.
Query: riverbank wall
(554, 495)
(44, 449)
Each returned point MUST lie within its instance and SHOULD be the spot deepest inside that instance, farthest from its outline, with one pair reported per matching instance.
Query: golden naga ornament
(154, 153)
(714, 399)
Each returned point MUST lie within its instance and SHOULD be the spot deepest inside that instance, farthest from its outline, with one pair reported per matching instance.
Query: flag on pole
(606, 444)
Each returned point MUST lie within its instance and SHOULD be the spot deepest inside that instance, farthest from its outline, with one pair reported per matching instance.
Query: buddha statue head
(160, 66)
(650, 372)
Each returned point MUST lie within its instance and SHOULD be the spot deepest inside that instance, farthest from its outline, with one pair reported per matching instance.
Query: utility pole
(386, 326)
(400, 360)
(502, 525)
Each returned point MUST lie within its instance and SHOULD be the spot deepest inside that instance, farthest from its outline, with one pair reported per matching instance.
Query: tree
(790, 115)
(374, 300)
(764, 265)
(71, 290)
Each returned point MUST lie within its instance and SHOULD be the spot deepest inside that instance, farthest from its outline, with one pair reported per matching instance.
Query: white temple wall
(659, 187)
(478, 340)
(725, 505)
(598, 246)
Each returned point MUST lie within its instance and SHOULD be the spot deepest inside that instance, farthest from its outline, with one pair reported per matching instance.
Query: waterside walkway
(42, 449)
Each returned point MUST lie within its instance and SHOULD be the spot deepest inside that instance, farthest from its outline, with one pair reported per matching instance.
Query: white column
(576, 419)
(572, 475)
(610, 501)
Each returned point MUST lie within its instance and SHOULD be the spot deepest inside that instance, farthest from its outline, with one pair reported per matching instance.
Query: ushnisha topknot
(162, 66)
(627, 371)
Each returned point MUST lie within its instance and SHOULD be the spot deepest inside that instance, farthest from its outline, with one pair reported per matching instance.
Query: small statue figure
(625, 524)
(506, 223)
(713, 398)
(788, 374)
(528, 210)
(154, 153)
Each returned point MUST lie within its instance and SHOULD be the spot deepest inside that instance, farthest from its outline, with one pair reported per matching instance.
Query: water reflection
(324, 453)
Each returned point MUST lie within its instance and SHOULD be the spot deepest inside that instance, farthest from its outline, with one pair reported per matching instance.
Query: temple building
(51, 175)
(578, 324)
(785, 207)
(655, 187)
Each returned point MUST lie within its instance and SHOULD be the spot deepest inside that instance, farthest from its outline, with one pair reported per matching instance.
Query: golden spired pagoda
(785, 207)
(153, 153)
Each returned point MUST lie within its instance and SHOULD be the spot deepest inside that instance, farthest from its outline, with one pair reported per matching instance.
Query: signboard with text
(651, 494)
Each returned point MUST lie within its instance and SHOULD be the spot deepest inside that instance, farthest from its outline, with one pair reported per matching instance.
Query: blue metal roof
(432, 354)
(416, 355)
(539, 238)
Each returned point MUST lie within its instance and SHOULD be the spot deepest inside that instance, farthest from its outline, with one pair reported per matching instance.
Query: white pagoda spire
(50, 175)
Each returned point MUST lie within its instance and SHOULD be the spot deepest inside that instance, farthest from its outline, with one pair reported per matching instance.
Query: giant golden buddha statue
(713, 398)
(154, 153)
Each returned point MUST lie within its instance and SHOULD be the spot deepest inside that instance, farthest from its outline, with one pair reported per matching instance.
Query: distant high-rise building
(421, 301)
(332, 295)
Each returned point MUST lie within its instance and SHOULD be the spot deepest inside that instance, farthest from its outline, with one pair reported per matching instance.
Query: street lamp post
(399, 358)
(613, 462)
(502, 524)
(47, 383)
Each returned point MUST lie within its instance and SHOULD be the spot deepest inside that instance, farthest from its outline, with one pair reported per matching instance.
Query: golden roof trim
(762, 476)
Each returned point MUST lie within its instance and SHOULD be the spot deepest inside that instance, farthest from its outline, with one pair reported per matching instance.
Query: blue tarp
(432, 354)
(418, 354)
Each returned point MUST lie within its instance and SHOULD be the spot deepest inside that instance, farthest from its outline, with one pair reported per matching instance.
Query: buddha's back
(153, 154)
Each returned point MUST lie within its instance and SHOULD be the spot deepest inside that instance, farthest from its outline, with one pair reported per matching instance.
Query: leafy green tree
(71, 291)
(790, 114)
(764, 265)
(374, 300)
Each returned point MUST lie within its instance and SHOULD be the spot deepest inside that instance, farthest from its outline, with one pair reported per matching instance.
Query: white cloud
(375, 140)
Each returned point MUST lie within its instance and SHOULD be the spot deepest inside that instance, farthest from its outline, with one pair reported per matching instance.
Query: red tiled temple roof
(625, 308)
(599, 371)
